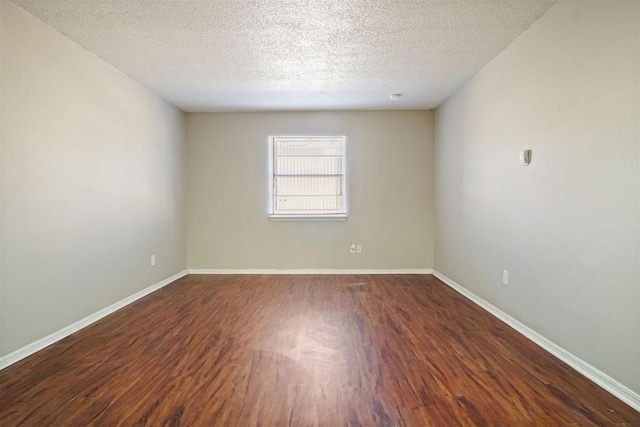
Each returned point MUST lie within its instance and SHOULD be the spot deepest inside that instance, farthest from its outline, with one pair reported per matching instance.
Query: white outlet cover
(505, 277)
(153, 260)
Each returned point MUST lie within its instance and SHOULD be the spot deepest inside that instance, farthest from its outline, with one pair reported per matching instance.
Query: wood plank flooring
(302, 350)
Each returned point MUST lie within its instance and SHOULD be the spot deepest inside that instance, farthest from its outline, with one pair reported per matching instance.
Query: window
(307, 177)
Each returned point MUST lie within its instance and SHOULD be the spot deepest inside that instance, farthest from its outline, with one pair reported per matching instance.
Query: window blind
(308, 175)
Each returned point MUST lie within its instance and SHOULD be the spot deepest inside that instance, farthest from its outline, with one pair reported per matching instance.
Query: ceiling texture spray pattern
(206, 55)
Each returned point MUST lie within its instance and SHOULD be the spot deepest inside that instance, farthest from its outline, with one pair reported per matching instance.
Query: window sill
(308, 217)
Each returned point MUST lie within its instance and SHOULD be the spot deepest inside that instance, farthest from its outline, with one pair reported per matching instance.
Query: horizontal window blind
(308, 175)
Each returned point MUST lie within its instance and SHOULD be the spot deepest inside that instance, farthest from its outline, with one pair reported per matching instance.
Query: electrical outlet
(358, 249)
(505, 277)
(352, 248)
(153, 260)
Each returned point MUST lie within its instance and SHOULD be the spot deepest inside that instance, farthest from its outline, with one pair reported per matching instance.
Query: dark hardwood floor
(366, 350)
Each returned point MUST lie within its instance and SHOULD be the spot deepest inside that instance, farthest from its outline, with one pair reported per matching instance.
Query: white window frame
(300, 217)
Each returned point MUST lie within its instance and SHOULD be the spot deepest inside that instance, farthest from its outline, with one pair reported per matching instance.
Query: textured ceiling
(207, 55)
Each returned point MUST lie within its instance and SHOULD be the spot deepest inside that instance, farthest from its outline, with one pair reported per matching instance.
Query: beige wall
(92, 177)
(389, 168)
(1, 198)
(566, 227)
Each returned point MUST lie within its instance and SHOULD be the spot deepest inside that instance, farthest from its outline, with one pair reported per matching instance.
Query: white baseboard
(619, 390)
(310, 271)
(29, 349)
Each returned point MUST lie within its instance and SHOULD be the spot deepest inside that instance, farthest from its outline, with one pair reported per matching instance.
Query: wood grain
(302, 350)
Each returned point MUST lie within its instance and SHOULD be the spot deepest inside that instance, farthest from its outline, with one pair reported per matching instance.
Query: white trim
(308, 271)
(29, 349)
(340, 217)
(614, 387)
